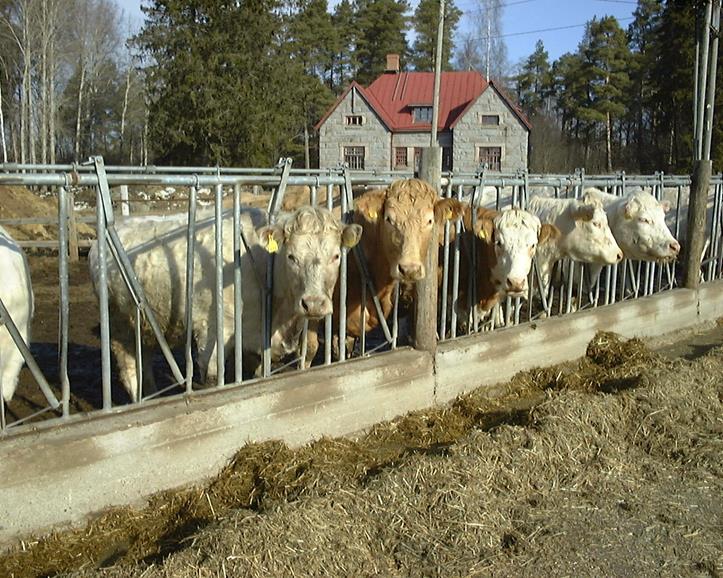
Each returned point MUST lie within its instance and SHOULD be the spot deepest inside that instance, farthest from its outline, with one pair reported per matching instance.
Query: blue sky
(521, 19)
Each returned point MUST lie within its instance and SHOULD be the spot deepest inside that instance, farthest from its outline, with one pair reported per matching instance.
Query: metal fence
(628, 280)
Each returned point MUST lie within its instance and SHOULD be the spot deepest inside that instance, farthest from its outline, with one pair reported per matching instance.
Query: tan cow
(397, 224)
(505, 243)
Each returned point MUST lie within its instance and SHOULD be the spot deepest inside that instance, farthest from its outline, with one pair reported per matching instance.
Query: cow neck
(487, 294)
(286, 323)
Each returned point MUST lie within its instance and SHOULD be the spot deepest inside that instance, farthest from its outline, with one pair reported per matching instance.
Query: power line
(548, 29)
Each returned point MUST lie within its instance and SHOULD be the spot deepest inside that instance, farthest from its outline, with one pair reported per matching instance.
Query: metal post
(64, 319)
(237, 286)
(190, 263)
(220, 343)
(73, 251)
(125, 207)
(100, 227)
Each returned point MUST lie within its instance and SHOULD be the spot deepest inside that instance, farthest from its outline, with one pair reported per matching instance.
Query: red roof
(394, 95)
(397, 93)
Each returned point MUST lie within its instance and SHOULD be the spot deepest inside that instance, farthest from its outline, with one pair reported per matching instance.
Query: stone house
(384, 126)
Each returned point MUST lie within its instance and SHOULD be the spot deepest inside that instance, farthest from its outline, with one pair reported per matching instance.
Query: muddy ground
(609, 466)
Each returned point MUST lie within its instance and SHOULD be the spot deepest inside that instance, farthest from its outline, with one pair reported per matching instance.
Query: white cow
(637, 221)
(305, 270)
(17, 295)
(585, 234)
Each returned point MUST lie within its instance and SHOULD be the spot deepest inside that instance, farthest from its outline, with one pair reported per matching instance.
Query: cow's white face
(309, 244)
(641, 231)
(514, 236)
(590, 240)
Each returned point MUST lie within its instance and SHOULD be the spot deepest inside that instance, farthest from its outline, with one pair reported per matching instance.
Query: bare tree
(485, 49)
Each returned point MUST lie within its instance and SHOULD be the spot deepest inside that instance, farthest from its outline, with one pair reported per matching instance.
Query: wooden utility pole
(707, 52)
(425, 317)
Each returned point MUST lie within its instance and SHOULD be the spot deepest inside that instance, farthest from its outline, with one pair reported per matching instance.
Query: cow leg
(11, 362)
(125, 359)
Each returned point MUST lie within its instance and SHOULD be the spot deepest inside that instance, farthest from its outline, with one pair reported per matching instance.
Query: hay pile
(21, 202)
(558, 477)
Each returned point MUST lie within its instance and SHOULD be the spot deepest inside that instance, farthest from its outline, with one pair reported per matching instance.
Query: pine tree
(606, 59)
(426, 23)
(343, 61)
(381, 25)
(534, 83)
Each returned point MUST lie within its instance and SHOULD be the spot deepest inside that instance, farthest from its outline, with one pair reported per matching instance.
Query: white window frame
(363, 157)
(347, 117)
(479, 146)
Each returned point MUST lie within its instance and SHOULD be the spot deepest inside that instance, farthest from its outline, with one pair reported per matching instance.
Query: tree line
(243, 83)
(624, 99)
(69, 86)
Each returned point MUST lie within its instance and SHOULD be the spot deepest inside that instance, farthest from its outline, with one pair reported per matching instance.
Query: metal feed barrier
(627, 280)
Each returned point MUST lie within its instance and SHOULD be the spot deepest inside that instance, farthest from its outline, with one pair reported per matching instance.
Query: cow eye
(430, 221)
(293, 258)
(644, 220)
(389, 220)
(335, 258)
(598, 225)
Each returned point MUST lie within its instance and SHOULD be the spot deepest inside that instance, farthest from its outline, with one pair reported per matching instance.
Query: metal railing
(627, 280)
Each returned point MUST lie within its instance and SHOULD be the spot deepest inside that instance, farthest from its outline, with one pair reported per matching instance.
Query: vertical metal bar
(473, 273)
(64, 320)
(313, 195)
(220, 352)
(455, 277)
(304, 344)
(190, 263)
(139, 355)
(395, 316)
(363, 315)
(328, 323)
(100, 228)
(442, 331)
(238, 304)
(343, 271)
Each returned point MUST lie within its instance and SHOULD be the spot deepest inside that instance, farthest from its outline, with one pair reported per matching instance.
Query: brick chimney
(392, 63)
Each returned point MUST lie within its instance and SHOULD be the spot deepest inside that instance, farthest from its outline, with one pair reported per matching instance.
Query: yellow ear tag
(482, 235)
(448, 214)
(373, 215)
(272, 246)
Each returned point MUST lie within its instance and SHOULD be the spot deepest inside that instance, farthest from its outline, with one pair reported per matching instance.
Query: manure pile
(611, 465)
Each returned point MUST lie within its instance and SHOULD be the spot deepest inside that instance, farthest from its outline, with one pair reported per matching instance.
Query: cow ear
(350, 235)
(666, 206)
(271, 237)
(583, 212)
(484, 227)
(448, 210)
(548, 234)
(371, 204)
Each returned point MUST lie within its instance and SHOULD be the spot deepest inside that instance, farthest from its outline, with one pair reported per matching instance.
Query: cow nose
(411, 271)
(516, 285)
(675, 247)
(315, 306)
(619, 256)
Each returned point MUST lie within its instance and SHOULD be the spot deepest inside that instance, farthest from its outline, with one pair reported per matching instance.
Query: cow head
(404, 215)
(510, 239)
(589, 238)
(308, 242)
(641, 231)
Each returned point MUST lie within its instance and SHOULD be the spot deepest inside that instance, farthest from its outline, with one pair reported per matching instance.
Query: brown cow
(505, 243)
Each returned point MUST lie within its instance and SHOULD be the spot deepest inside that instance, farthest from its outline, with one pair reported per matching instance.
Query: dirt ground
(609, 466)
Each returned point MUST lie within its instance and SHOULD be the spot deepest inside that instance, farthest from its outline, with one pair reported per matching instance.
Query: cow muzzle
(410, 271)
(315, 307)
(516, 287)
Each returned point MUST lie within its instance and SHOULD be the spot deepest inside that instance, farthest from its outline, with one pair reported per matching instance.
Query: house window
(353, 120)
(417, 159)
(400, 157)
(491, 156)
(490, 119)
(446, 158)
(354, 157)
(422, 114)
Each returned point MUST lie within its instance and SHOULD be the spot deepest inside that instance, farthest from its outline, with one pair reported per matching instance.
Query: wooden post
(695, 240)
(73, 254)
(425, 313)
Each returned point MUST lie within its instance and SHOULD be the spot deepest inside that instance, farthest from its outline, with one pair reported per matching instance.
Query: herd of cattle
(393, 227)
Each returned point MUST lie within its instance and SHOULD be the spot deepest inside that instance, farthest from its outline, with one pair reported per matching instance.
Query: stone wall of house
(415, 140)
(335, 134)
(470, 134)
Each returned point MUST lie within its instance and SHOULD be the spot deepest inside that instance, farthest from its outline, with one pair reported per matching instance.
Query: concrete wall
(60, 475)
(470, 134)
(335, 134)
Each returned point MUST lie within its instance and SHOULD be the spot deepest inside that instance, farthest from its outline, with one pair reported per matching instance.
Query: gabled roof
(393, 97)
